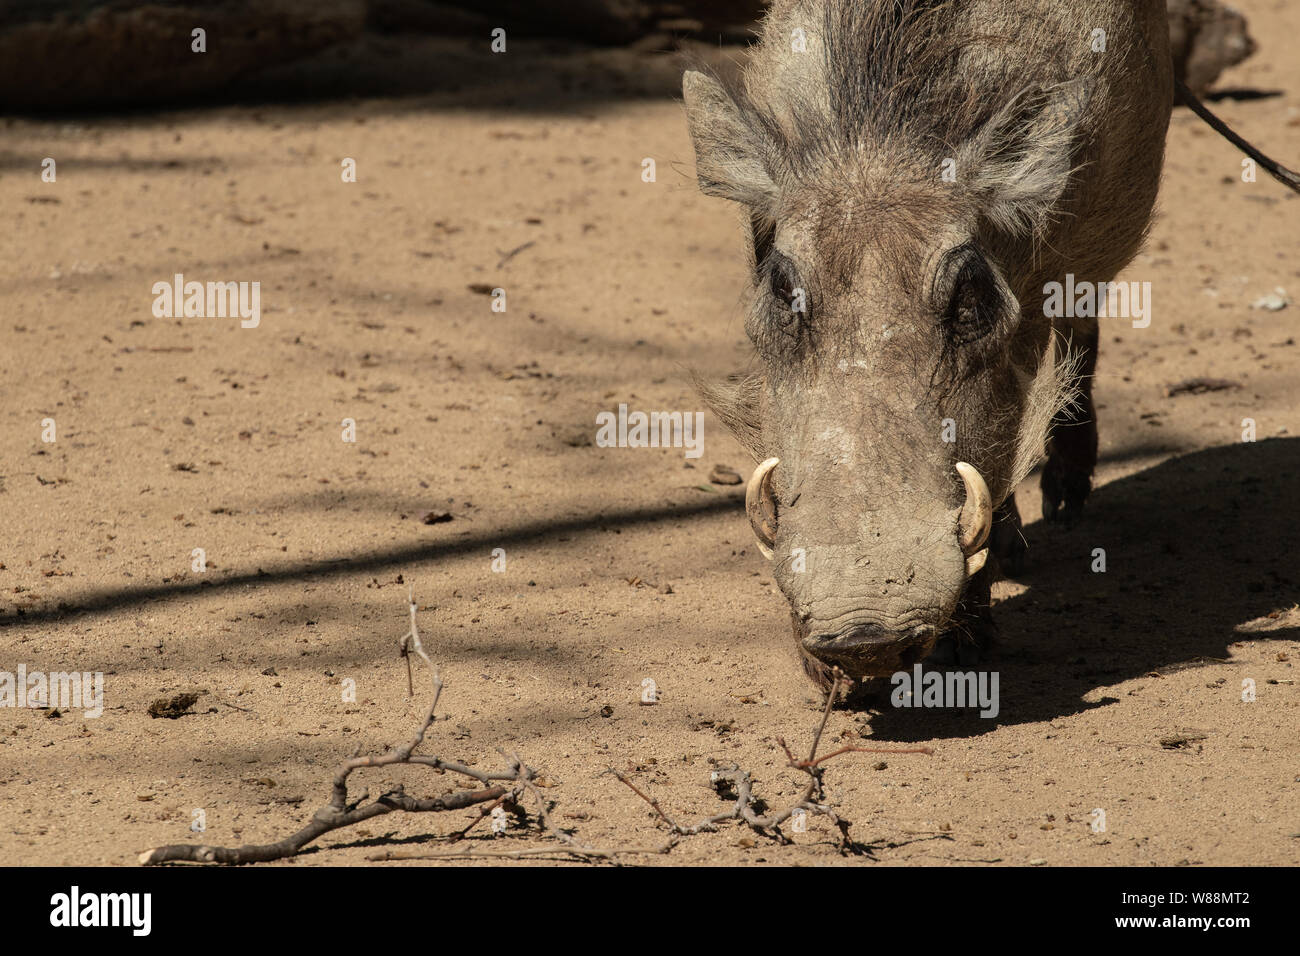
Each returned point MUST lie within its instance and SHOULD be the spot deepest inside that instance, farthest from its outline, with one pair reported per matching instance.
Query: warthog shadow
(1194, 548)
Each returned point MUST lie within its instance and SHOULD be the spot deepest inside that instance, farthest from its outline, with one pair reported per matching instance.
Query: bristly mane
(894, 68)
(890, 72)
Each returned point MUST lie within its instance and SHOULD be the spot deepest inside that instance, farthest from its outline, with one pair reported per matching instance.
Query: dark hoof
(1063, 493)
(1006, 542)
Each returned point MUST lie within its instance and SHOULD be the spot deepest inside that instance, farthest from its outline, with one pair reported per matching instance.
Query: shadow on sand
(1194, 548)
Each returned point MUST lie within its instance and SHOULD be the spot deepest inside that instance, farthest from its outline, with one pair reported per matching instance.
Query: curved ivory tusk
(976, 561)
(977, 513)
(759, 507)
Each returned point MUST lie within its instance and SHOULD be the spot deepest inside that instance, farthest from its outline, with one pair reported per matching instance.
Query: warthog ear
(728, 146)
(1022, 158)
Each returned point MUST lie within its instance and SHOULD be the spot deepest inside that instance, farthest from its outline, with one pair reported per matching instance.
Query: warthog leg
(1006, 542)
(1072, 446)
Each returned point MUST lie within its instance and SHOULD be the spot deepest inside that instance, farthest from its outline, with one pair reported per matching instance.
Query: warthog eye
(974, 302)
(791, 305)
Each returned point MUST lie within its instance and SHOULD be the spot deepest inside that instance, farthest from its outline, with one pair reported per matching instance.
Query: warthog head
(900, 390)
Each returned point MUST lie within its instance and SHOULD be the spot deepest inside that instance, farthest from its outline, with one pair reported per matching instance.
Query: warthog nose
(882, 649)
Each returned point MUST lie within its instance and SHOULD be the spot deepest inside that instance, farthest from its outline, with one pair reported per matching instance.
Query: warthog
(914, 172)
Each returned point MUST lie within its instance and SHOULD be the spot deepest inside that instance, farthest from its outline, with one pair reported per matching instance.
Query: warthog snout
(857, 639)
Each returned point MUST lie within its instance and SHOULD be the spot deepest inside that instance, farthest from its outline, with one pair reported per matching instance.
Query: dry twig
(502, 785)
(510, 787)
(732, 782)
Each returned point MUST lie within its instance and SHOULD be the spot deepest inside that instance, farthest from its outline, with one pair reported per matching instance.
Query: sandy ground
(621, 565)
